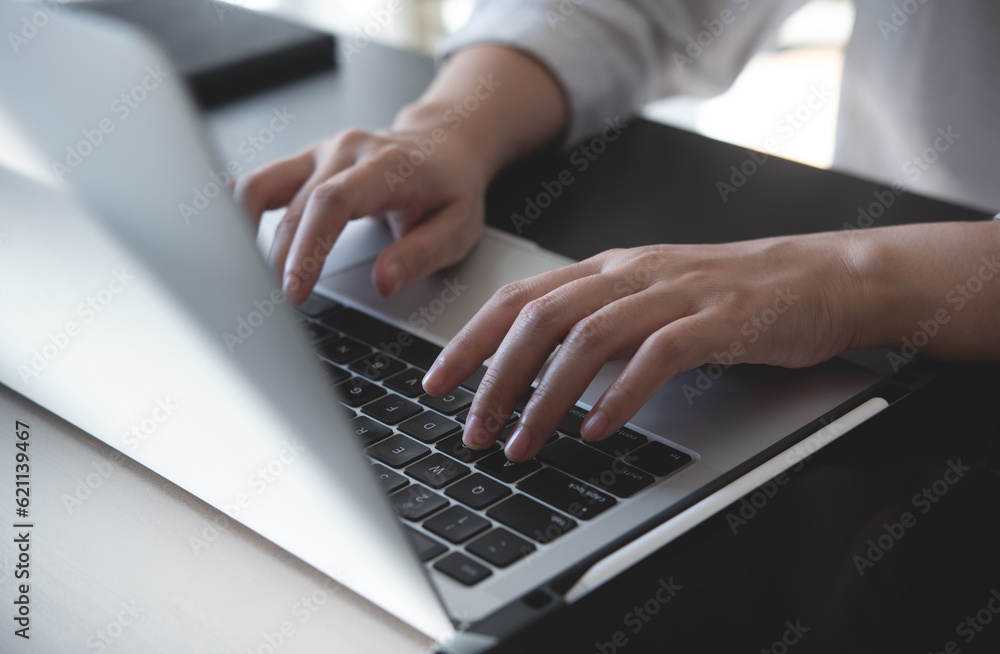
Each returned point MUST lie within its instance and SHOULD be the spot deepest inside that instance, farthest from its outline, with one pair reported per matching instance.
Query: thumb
(431, 245)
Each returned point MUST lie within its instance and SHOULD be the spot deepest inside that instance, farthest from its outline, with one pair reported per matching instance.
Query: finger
(327, 165)
(481, 337)
(352, 193)
(539, 327)
(435, 243)
(273, 186)
(681, 345)
(591, 342)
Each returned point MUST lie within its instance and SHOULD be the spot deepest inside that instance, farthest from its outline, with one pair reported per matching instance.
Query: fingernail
(475, 435)
(518, 444)
(397, 277)
(435, 376)
(594, 426)
(291, 285)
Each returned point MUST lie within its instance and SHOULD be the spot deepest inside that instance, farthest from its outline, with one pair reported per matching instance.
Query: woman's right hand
(427, 183)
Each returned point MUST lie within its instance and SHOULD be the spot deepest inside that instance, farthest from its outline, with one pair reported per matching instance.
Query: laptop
(308, 425)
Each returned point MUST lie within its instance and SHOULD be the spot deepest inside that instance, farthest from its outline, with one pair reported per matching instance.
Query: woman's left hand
(784, 301)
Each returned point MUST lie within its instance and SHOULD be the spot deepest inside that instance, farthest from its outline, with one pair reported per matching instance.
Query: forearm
(935, 285)
(503, 103)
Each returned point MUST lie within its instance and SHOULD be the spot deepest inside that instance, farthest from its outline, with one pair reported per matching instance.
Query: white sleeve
(613, 56)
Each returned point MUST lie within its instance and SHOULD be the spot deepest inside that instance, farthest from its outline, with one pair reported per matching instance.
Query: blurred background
(805, 55)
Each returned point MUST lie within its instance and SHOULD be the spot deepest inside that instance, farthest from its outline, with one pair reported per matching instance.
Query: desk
(236, 594)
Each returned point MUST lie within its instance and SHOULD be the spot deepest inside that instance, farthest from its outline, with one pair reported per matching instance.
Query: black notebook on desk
(224, 51)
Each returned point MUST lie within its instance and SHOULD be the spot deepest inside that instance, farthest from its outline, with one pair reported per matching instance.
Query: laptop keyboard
(468, 512)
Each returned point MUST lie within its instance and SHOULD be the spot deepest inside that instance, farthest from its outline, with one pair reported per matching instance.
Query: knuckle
(540, 311)
(589, 335)
(329, 196)
(664, 348)
(512, 296)
(350, 139)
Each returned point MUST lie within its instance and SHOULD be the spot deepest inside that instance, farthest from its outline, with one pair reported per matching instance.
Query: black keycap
(368, 430)
(416, 502)
(356, 391)
(437, 470)
(534, 520)
(407, 382)
(453, 446)
(377, 366)
(335, 374)
(342, 350)
(462, 415)
(472, 383)
(572, 422)
(621, 442)
(317, 305)
(449, 404)
(429, 427)
(463, 569)
(659, 459)
(391, 480)
(500, 547)
(316, 332)
(457, 524)
(397, 451)
(477, 491)
(427, 547)
(391, 409)
(595, 467)
(498, 466)
(567, 494)
(384, 336)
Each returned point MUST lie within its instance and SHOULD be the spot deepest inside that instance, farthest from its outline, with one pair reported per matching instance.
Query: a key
(437, 470)
(477, 491)
(397, 451)
(429, 427)
(457, 524)
(534, 520)
(500, 547)
(503, 469)
(391, 409)
(567, 494)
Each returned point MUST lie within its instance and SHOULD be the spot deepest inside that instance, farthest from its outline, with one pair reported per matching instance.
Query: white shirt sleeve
(613, 56)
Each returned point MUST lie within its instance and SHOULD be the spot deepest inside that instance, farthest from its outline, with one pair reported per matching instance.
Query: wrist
(476, 140)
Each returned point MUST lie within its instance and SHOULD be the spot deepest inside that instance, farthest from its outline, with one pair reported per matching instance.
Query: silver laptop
(309, 425)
